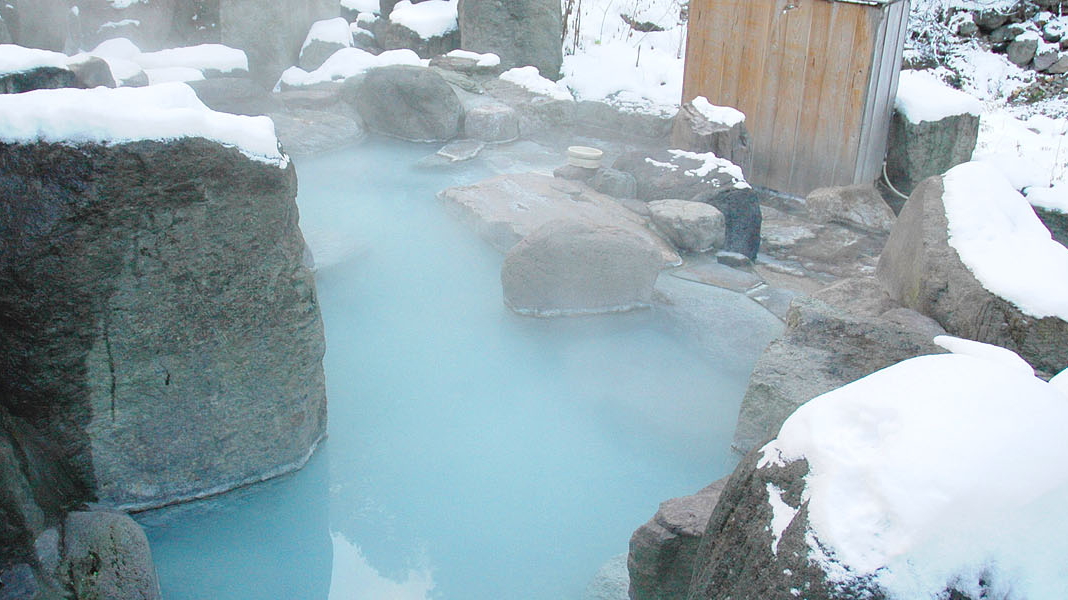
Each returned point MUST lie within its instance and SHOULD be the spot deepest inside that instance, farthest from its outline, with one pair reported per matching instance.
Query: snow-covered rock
(934, 128)
(968, 251)
(702, 127)
(324, 38)
(343, 64)
(190, 324)
(823, 347)
(679, 174)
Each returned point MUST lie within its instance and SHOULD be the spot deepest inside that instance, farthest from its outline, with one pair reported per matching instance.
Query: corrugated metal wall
(815, 79)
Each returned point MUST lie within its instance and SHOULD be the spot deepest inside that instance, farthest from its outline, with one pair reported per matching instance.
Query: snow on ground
(529, 78)
(346, 63)
(429, 19)
(1003, 243)
(608, 59)
(334, 31)
(941, 470)
(113, 116)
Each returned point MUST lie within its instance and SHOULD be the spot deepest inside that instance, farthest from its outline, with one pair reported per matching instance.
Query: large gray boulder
(106, 557)
(578, 267)
(824, 347)
(663, 550)
(521, 32)
(169, 337)
(922, 271)
(41, 24)
(243, 23)
(917, 151)
(411, 103)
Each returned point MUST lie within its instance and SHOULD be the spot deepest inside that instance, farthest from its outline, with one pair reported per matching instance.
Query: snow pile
(345, 63)
(921, 96)
(718, 114)
(481, 60)
(608, 56)
(172, 74)
(1003, 243)
(361, 6)
(1032, 153)
(940, 471)
(121, 4)
(333, 31)
(215, 57)
(1050, 198)
(15, 59)
(529, 78)
(115, 116)
(431, 18)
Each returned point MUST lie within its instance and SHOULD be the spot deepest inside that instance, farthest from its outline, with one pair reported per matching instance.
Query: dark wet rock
(492, 122)
(741, 211)
(923, 272)
(40, 78)
(521, 32)
(856, 205)
(243, 23)
(613, 182)
(578, 267)
(412, 103)
(1057, 223)
(823, 348)
(236, 95)
(693, 131)
(668, 174)
(663, 550)
(394, 36)
(168, 339)
(106, 557)
(917, 151)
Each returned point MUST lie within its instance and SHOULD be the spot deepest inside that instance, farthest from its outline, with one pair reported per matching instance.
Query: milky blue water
(472, 454)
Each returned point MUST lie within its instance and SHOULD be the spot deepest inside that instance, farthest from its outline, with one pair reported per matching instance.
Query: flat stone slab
(713, 273)
(776, 299)
(460, 150)
(507, 208)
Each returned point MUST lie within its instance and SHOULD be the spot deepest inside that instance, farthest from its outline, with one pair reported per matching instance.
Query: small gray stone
(92, 72)
(694, 132)
(619, 184)
(989, 20)
(1046, 56)
(107, 557)
(690, 226)
(1061, 66)
(1006, 33)
(461, 150)
(492, 122)
(574, 173)
(733, 259)
(858, 205)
